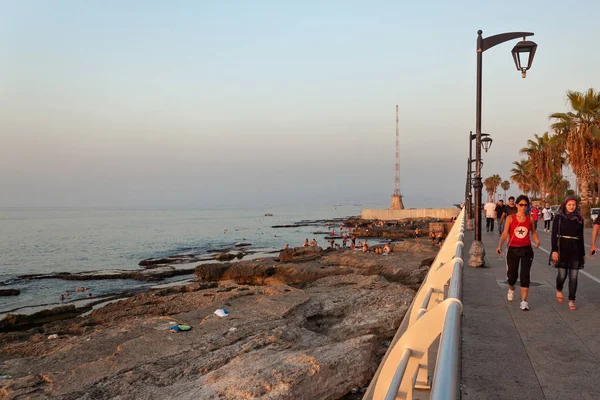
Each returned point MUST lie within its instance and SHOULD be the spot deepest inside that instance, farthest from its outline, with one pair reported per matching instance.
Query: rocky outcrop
(13, 322)
(311, 330)
(9, 292)
(300, 254)
(225, 257)
(157, 273)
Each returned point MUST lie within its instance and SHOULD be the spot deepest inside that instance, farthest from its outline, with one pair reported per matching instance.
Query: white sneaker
(511, 295)
(524, 305)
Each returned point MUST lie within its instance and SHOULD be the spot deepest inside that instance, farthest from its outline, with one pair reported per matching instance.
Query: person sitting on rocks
(337, 246)
(314, 242)
(387, 249)
(287, 246)
(432, 236)
(353, 240)
(331, 243)
(365, 248)
(439, 236)
(417, 234)
(306, 243)
(345, 241)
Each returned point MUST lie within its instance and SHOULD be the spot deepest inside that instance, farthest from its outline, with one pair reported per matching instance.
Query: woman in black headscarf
(568, 250)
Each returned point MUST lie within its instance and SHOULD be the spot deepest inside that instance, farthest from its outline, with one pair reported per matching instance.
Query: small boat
(268, 215)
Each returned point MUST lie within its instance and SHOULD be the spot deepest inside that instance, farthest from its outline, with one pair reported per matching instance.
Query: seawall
(388, 214)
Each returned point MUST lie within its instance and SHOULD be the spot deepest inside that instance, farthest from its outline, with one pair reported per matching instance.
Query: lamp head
(486, 143)
(523, 54)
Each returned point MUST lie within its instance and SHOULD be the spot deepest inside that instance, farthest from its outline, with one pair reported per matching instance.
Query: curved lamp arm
(484, 44)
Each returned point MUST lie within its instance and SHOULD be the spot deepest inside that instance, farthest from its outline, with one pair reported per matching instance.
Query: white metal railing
(435, 312)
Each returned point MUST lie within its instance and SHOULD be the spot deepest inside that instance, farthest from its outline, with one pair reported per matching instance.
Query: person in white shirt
(490, 215)
(547, 215)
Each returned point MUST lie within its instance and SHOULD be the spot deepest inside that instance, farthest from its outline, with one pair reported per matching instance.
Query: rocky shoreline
(310, 323)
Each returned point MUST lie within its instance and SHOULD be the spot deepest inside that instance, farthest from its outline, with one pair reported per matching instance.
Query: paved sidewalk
(548, 352)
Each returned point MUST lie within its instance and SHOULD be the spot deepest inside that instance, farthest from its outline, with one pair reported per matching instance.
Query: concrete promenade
(548, 352)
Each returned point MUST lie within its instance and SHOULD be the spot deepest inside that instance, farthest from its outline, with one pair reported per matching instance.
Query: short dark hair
(522, 197)
(511, 198)
(500, 201)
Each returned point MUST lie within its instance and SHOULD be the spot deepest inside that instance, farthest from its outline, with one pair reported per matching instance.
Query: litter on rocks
(53, 336)
(221, 312)
(232, 329)
(180, 328)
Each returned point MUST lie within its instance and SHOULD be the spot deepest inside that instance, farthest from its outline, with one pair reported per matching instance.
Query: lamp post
(486, 142)
(522, 49)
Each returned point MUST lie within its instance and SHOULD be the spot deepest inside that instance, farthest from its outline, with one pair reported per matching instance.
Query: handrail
(405, 366)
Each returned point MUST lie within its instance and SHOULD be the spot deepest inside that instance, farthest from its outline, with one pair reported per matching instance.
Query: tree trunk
(584, 193)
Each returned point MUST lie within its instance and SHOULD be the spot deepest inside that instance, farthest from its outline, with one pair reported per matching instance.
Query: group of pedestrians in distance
(499, 212)
(567, 243)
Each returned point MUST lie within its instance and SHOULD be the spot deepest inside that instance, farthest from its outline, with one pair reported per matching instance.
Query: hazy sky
(258, 103)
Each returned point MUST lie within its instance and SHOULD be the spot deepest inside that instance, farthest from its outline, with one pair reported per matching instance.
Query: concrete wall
(413, 213)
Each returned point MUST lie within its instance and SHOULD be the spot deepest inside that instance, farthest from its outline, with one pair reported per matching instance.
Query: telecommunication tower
(397, 197)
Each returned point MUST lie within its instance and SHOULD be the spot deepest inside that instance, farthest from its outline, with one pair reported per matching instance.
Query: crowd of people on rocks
(351, 243)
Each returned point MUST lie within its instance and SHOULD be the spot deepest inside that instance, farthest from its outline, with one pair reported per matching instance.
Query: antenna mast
(397, 179)
(397, 197)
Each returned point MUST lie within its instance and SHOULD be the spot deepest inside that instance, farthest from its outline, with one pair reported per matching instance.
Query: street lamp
(522, 49)
(486, 143)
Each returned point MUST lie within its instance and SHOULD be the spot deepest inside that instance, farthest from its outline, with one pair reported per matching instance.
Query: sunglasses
(522, 204)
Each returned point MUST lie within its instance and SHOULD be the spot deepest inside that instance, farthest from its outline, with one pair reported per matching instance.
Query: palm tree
(497, 181)
(491, 183)
(541, 155)
(505, 185)
(489, 186)
(522, 176)
(580, 128)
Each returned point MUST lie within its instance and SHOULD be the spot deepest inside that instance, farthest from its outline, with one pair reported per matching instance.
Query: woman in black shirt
(568, 250)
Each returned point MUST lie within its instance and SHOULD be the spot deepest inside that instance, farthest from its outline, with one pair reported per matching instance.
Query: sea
(52, 240)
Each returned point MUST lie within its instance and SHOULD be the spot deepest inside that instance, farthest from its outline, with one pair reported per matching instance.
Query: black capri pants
(516, 255)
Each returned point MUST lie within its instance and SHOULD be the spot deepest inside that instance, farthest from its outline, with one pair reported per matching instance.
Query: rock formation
(295, 330)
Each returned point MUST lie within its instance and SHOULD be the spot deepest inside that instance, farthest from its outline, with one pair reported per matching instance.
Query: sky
(264, 103)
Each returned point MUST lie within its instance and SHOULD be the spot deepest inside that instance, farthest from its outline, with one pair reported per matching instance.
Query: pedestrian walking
(535, 213)
(518, 231)
(547, 215)
(568, 249)
(490, 214)
(500, 211)
(509, 209)
(593, 248)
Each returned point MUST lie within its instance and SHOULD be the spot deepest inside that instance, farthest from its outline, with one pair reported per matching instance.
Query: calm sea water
(34, 241)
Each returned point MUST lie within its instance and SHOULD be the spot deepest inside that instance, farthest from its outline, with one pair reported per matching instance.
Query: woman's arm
(582, 241)
(505, 234)
(554, 236)
(534, 234)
